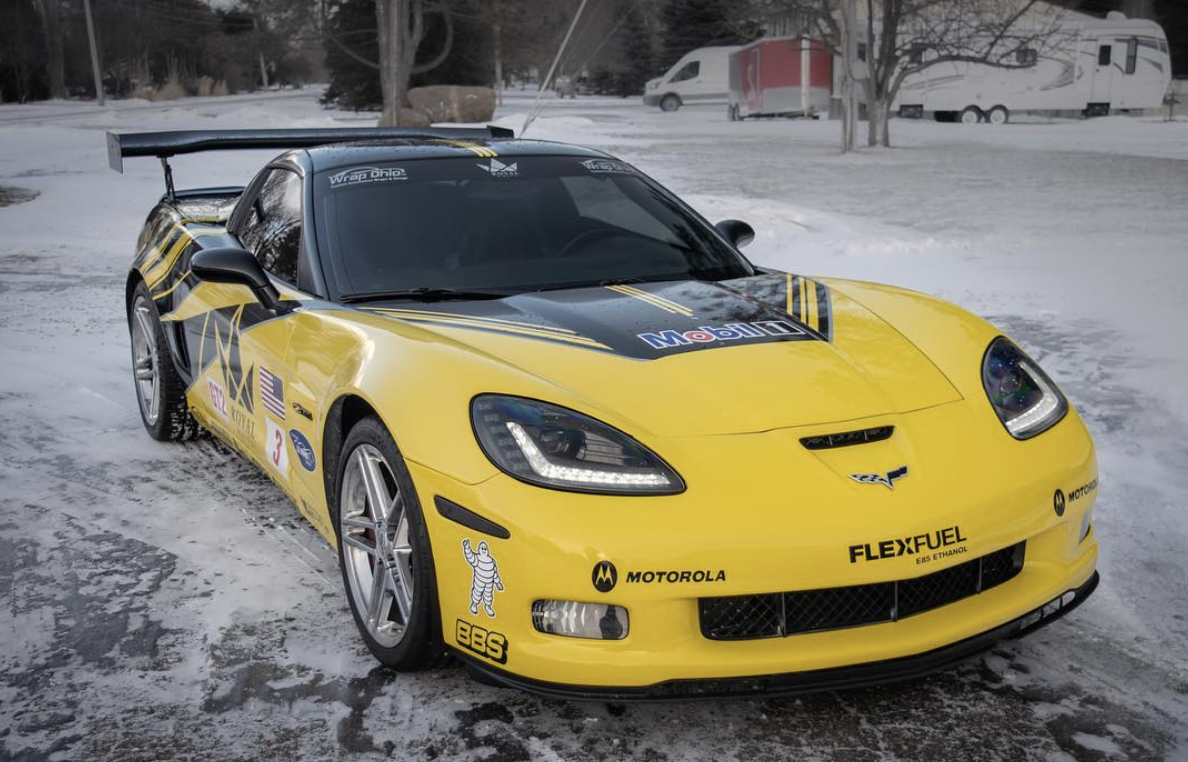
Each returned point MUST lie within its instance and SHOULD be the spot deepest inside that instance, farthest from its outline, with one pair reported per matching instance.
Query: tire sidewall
(668, 100)
(421, 640)
(159, 428)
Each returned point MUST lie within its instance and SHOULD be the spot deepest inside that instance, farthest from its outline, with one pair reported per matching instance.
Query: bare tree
(905, 37)
(401, 28)
(901, 38)
(51, 24)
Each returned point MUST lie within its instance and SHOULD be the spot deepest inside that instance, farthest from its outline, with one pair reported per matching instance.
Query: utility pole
(94, 54)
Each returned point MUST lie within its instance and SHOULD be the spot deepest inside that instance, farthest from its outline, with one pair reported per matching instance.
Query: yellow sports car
(559, 428)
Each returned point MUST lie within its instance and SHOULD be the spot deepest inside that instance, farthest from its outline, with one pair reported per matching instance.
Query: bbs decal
(486, 643)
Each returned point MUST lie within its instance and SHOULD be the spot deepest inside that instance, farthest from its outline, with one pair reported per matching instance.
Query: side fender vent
(847, 438)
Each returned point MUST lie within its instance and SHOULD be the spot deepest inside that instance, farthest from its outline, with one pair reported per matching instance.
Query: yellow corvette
(559, 428)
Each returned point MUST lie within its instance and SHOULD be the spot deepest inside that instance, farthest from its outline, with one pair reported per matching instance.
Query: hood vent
(847, 438)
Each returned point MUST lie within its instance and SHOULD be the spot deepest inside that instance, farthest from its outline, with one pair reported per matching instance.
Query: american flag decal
(272, 393)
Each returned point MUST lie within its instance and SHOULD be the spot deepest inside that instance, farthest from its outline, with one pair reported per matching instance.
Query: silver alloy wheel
(145, 366)
(377, 554)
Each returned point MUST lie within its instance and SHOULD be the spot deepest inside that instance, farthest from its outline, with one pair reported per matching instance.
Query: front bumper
(651, 99)
(837, 678)
(742, 531)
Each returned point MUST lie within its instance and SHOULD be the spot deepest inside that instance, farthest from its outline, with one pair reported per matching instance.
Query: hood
(684, 358)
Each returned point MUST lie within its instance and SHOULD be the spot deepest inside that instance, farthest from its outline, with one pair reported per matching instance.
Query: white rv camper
(1097, 65)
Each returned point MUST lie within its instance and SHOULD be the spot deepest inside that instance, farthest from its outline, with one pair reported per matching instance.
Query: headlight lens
(1025, 399)
(555, 447)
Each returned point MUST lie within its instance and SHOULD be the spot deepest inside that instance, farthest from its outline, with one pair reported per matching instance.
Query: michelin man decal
(486, 577)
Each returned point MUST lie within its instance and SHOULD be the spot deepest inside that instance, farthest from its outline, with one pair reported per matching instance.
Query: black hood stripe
(646, 321)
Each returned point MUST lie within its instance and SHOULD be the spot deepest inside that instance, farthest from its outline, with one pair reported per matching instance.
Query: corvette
(558, 427)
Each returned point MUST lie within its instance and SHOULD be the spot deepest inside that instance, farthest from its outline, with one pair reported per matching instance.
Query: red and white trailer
(780, 76)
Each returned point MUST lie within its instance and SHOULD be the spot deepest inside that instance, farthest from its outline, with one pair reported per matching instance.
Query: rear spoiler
(166, 144)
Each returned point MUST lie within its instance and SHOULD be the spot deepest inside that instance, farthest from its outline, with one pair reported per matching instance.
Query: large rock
(453, 103)
(409, 117)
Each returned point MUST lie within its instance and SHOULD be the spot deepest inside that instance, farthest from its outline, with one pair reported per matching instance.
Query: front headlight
(1025, 399)
(555, 447)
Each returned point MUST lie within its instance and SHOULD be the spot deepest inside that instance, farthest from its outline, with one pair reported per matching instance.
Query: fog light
(1086, 524)
(596, 621)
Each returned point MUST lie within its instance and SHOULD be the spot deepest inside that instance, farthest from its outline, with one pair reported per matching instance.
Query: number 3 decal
(275, 451)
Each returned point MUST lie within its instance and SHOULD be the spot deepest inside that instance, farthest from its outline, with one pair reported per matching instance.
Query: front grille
(772, 615)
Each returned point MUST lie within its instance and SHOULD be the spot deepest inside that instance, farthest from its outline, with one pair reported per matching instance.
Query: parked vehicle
(1099, 65)
(700, 77)
(558, 427)
(780, 76)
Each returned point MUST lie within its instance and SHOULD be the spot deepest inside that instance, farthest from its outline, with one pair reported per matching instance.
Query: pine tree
(689, 24)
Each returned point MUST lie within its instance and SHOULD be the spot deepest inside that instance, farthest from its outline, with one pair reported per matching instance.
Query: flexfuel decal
(932, 546)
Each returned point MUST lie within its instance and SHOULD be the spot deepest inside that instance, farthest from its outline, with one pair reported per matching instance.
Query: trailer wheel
(972, 115)
(670, 102)
(998, 115)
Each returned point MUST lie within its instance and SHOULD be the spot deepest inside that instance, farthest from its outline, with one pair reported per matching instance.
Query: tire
(971, 115)
(670, 102)
(160, 390)
(998, 115)
(403, 629)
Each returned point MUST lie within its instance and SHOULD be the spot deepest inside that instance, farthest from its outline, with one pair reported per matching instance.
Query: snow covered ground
(162, 602)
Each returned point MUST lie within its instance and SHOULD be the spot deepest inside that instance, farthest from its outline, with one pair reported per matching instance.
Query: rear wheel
(670, 102)
(971, 115)
(160, 391)
(998, 115)
(383, 548)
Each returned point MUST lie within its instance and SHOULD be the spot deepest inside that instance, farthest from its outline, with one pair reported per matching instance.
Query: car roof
(337, 155)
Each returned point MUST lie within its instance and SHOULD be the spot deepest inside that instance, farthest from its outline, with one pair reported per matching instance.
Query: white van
(701, 76)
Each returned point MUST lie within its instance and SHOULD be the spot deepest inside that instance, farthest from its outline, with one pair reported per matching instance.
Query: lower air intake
(773, 615)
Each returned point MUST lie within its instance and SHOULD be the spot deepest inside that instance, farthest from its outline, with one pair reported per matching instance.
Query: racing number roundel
(604, 577)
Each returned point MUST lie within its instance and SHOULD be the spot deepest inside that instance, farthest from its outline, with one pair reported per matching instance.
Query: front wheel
(383, 548)
(160, 390)
(670, 103)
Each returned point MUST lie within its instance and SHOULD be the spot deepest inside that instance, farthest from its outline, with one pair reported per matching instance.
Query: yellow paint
(771, 514)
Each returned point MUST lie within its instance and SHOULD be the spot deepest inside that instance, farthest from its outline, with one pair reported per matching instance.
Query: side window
(688, 71)
(1026, 56)
(1103, 55)
(1131, 54)
(916, 53)
(273, 228)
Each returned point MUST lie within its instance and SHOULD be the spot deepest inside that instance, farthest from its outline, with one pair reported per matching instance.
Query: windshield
(509, 226)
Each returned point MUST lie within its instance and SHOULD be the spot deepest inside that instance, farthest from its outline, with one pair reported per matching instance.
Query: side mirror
(232, 264)
(737, 232)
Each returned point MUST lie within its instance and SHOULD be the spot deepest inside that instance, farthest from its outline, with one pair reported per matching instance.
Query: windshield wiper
(423, 294)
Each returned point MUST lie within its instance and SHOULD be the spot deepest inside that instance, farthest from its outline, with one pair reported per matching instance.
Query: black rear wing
(165, 144)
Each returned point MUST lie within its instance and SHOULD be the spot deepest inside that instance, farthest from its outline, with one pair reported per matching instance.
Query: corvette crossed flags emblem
(888, 479)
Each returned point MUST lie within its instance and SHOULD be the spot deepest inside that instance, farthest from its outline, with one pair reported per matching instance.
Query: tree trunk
(56, 63)
(849, 85)
(498, 44)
